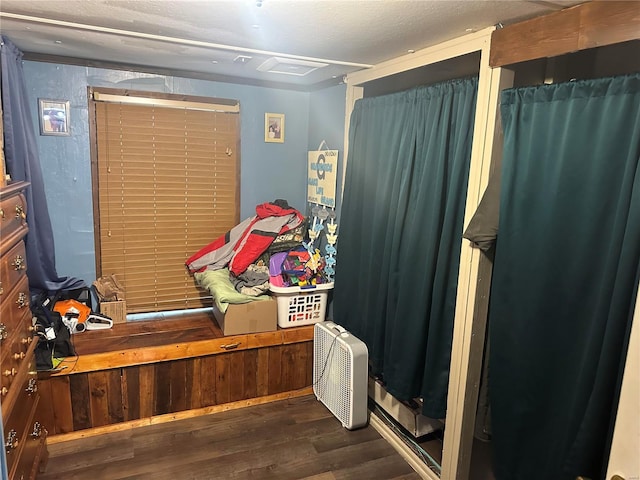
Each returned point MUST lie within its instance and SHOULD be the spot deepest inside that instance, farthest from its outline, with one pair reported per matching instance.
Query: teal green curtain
(400, 233)
(565, 274)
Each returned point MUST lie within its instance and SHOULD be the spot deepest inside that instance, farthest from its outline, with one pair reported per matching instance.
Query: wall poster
(322, 174)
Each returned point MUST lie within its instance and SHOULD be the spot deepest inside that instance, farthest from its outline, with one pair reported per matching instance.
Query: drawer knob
(37, 430)
(18, 263)
(4, 391)
(4, 331)
(32, 386)
(22, 300)
(26, 341)
(20, 212)
(1, 213)
(10, 373)
(12, 441)
(19, 356)
(1, 289)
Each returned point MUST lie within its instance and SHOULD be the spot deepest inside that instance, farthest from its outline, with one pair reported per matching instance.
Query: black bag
(54, 338)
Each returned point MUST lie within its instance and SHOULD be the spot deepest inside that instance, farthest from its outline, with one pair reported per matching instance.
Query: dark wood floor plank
(384, 467)
(288, 440)
(343, 438)
(94, 455)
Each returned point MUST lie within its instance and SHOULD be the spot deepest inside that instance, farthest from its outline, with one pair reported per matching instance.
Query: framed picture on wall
(274, 127)
(54, 117)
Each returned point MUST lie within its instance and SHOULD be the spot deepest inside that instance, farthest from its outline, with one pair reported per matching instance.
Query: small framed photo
(274, 127)
(54, 117)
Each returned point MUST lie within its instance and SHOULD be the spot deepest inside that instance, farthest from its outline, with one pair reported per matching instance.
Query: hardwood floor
(291, 439)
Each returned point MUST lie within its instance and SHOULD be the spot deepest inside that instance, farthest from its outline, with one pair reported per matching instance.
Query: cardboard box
(252, 317)
(116, 311)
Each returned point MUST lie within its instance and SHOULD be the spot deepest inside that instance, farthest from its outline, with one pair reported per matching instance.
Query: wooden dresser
(24, 436)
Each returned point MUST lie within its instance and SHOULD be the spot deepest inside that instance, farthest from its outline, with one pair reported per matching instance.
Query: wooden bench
(153, 371)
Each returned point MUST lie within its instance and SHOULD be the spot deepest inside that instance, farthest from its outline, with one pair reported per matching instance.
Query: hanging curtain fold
(565, 274)
(23, 164)
(401, 227)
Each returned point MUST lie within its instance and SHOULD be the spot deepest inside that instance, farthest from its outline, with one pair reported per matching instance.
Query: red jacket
(244, 243)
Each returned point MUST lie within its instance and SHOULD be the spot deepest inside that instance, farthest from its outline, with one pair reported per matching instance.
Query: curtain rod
(161, 102)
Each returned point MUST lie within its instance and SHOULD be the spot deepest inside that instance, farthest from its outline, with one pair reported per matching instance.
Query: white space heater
(340, 373)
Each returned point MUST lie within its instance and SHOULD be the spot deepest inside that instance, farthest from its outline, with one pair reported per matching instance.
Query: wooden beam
(585, 26)
(170, 417)
(177, 351)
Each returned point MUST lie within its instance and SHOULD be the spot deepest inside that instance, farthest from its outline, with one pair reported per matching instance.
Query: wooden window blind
(168, 184)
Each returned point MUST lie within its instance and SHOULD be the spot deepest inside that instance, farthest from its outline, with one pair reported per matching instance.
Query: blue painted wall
(269, 170)
(327, 122)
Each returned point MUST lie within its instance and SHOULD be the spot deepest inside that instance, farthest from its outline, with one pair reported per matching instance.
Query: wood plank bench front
(152, 371)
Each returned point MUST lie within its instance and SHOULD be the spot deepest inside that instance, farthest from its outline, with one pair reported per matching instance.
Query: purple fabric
(275, 264)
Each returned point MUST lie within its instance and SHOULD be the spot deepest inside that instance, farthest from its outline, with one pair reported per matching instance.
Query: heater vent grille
(340, 373)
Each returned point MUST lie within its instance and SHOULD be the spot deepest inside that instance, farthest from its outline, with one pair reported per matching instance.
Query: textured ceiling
(206, 37)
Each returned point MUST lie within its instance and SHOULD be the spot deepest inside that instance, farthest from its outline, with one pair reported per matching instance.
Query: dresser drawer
(15, 318)
(13, 212)
(14, 304)
(33, 447)
(13, 267)
(14, 353)
(17, 423)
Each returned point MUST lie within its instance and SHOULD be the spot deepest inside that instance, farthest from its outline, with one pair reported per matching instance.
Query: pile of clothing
(266, 247)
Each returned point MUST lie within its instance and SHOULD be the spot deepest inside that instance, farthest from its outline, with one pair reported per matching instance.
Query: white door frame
(468, 334)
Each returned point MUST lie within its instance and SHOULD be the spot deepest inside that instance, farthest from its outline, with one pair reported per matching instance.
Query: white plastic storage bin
(299, 306)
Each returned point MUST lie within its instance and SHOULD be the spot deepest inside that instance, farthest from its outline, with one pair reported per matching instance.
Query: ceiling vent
(290, 66)
(242, 59)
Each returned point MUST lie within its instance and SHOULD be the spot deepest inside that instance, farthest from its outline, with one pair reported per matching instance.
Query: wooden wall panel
(193, 397)
(222, 378)
(250, 386)
(293, 357)
(208, 381)
(237, 373)
(262, 372)
(79, 389)
(115, 396)
(162, 397)
(98, 384)
(92, 399)
(45, 409)
(309, 367)
(131, 392)
(274, 371)
(178, 384)
(147, 390)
